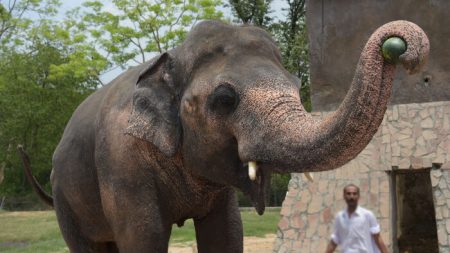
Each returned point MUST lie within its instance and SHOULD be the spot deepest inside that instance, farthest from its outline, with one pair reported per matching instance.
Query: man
(356, 229)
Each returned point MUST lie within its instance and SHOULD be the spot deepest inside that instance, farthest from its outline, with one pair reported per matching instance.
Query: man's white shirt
(354, 234)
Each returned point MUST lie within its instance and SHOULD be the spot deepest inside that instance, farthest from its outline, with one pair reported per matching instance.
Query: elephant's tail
(31, 179)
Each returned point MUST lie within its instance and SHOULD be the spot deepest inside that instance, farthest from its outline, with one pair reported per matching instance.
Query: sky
(276, 7)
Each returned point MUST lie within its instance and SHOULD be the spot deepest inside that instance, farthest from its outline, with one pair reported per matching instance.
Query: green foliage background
(37, 95)
(49, 65)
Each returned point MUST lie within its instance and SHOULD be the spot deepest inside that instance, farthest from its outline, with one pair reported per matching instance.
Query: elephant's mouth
(255, 184)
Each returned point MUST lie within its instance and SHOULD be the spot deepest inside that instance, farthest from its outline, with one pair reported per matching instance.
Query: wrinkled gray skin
(167, 140)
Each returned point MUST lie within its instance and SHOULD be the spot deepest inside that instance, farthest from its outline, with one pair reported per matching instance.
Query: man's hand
(379, 241)
(331, 247)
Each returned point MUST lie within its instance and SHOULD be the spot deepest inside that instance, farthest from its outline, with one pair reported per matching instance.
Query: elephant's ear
(154, 115)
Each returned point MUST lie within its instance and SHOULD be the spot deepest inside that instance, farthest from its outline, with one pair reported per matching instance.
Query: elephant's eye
(223, 100)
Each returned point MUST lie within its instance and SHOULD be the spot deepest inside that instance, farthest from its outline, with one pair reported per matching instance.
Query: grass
(30, 232)
(34, 232)
(256, 225)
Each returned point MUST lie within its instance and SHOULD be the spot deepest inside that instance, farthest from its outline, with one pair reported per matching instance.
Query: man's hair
(351, 185)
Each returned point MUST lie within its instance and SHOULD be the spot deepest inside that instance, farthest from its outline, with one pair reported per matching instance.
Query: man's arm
(380, 243)
(335, 237)
(331, 247)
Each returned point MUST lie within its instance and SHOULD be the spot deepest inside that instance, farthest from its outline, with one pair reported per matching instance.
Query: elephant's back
(80, 132)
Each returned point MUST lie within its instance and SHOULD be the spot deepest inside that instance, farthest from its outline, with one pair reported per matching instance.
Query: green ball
(392, 49)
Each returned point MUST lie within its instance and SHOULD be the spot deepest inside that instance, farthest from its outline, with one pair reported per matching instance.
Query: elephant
(172, 138)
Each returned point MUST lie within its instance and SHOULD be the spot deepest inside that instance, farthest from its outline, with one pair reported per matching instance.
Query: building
(404, 173)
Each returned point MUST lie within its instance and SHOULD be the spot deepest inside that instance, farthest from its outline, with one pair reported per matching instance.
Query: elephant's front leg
(221, 230)
(138, 221)
(150, 235)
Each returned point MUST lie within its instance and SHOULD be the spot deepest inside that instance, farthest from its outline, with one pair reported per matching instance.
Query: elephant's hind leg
(76, 241)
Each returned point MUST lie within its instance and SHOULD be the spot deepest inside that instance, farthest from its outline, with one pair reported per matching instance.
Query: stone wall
(412, 136)
(440, 180)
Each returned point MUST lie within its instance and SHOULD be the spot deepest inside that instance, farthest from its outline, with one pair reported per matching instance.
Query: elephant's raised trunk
(303, 144)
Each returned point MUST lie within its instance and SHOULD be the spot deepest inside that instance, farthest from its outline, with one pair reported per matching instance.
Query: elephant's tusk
(309, 176)
(252, 169)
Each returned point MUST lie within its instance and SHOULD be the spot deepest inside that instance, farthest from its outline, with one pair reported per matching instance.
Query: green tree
(46, 70)
(255, 12)
(13, 12)
(292, 37)
(34, 109)
(137, 29)
(278, 188)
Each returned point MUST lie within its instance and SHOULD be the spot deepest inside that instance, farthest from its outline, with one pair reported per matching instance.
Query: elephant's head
(222, 99)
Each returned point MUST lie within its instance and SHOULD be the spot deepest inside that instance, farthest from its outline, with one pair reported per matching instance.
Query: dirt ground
(251, 245)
